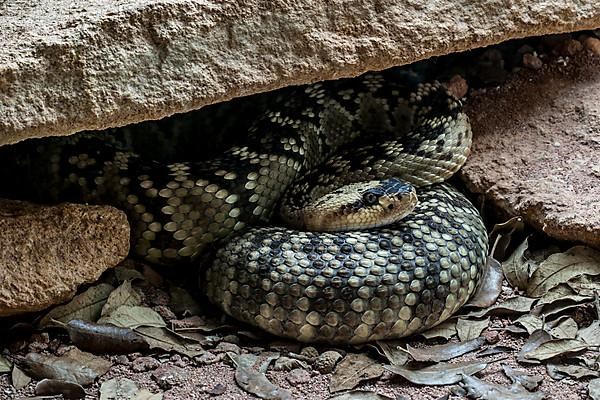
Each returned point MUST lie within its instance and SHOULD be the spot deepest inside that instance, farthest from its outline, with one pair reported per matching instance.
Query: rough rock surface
(50, 251)
(67, 66)
(537, 146)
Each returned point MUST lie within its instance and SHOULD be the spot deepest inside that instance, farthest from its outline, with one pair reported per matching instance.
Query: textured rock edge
(64, 69)
(48, 251)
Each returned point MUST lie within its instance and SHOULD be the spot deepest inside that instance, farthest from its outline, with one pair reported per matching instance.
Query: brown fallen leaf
(490, 285)
(133, 317)
(352, 370)
(561, 371)
(444, 330)
(124, 295)
(73, 366)
(393, 351)
(534, 341)
(182, 303)
(559, 306)
(160, 338)
(501, 236)
(490, 351)
(18, 378)
(516, 376)
(438, 374)
(561, 267)
(124, 388)
(51, 387)
(86, 306)
(590, 334)
(594, 389)
(359, 395)
(512, 305)
(584, 285)
(531, 323)
(516, 268)
(563, 328)
(253, 379)
(469, 329)
(444, 352)
(479, 389)
(104, 339)
(5, 365)
(554, 348)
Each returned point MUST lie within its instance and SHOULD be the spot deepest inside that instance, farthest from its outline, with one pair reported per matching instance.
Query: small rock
(179, 361)
(569, 47)
(39, 342)
(491, 337)
(143, 364)
(326, 362)
(309, 352)
(217, 390)
(165, 312)
(208, 358)
(458, 86)
(532, 61)
(298, 375)
(232, 339)
(525, 49)
(592, 44)
(284, 363)
(122, 360)
(225, 347)
(167, 376)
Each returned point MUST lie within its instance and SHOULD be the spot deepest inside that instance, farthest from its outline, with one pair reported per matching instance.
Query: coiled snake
(337, 287)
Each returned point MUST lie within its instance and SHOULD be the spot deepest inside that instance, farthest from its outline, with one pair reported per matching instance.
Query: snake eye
(369, 198)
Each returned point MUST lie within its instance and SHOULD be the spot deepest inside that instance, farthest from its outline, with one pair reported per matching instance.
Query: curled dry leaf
(534, 341)
(559, 306)
(516, 376)
(444, 330)
(516, 268)
(133, 317)
(583, 285)
(352, 370)
(182, 303)
(73, 366)
(554, 348)
(513, 305)
(18, 378)
(594, 389)
(359, 395)
(393, 351)
(125, 273)
(490, 285)
(501, 236)
(469, 329)
(561, 267)
(5, 365)
(563, 328)
(160, 338)
(254, 381)
(445, 352)
(479, 389)
(438, 374)
(103, 339)
(124, 295)
(531, 323)
(590, 334)
(490, 351)
(51, 387)
(86, 306)
(123, 388)
(561, 371)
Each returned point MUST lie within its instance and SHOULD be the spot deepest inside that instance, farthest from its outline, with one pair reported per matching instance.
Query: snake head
(358, 206)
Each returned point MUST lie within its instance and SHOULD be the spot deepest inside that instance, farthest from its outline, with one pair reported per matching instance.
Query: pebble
(458, 86)
(532, 61)
(309, 352)
(225, 347)
(569, 47)
(284, 363)
(167, 376)
(298, 376)
(491, 337)
(592, 44)
(326, 362)
(143, 364)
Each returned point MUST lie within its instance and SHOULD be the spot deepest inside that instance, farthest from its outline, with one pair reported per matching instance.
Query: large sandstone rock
(67, 66)
(47, 252)
(536, 149)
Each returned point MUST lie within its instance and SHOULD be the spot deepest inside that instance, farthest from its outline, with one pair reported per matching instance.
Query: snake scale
(335, 287)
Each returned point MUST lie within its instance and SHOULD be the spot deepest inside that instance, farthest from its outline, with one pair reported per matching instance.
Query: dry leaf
(516, 269)
(5, 365)
(516, 376)
(534, 341)
(531, 323)
(444, 330)
(124, 273)
(359, 395)
(561, 267)
(160, 338)
(255, 382)
(102, 339)
(182, 303)
(352, 370)
(513, 305)
(51, 387)
(469, 329)
(438, 374)
(554, 348)
(393, 351)
(566, 328)
(559, 306)
(490, 285)
(583, 285)
(124, 295)
(594, 389)
(479, 389)
(19, 379)
(490, 351)
(501, 236)
(86, 306)
(125, 389)
(561, 371)
(445, 352)
(590, 334)
(73, 366)
(133, 317)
